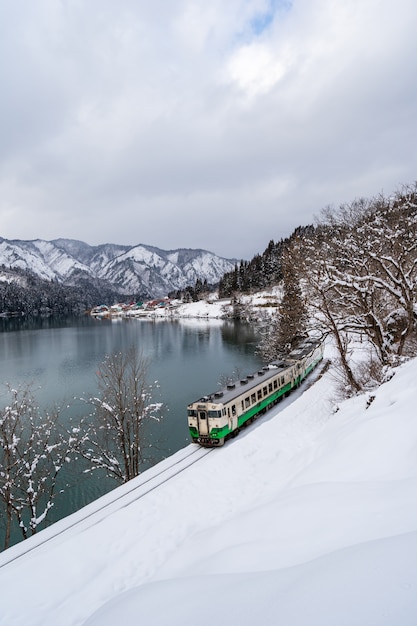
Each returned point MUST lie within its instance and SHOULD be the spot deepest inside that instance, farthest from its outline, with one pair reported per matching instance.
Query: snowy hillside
(140, 269)
(43, 258)
(309, 517)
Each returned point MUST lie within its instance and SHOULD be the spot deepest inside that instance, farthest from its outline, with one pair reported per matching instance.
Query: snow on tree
(374, 270)
(113, 437)
(33, 450)
(359, 268)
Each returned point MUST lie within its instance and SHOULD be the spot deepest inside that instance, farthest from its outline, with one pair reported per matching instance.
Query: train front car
(214, 419)
(207, 422)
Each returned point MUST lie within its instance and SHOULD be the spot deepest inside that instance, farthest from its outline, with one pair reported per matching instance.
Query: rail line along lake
(59, 357)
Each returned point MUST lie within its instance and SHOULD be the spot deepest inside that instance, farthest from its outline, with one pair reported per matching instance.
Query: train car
(215, 418)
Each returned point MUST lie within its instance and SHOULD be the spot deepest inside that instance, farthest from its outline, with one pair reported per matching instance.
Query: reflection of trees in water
(240, 335)
(38, 322)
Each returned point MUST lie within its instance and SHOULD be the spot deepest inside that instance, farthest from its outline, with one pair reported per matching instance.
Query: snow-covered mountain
(129, 269)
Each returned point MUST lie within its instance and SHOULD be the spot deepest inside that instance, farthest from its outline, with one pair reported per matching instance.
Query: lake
(60, 357)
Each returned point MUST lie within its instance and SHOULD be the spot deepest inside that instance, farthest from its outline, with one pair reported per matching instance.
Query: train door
(203, 427)
(232, 418)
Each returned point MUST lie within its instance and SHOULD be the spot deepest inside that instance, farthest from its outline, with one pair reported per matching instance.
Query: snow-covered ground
(309, 517)
(212, 308)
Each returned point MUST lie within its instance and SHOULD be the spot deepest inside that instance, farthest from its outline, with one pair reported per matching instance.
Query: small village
(134, 309)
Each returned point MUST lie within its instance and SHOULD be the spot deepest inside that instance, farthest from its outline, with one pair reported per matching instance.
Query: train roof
(303, 349)
(236, 389)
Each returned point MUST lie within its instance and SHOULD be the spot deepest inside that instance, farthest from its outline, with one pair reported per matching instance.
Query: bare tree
(33, 450)
(372, 266)
(325, 303)
(359, 270)
(269, 346)
(113, 437)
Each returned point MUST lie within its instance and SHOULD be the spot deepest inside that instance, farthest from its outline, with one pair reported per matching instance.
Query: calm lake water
(60, 357)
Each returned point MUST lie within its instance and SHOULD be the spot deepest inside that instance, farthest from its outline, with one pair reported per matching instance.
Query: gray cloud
(196, 124)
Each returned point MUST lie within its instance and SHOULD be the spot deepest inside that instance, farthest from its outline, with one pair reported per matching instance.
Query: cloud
(216, 125)
(255, 70)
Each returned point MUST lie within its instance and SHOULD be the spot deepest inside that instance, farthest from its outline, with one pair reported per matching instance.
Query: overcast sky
(216, 124)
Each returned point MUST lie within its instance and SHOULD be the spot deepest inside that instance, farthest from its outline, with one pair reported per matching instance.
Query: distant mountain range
(141, 269)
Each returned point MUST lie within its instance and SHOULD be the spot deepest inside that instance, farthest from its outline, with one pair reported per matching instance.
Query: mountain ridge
(141, 269)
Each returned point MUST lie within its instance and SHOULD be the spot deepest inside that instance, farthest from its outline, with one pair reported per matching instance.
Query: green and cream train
(214, 418)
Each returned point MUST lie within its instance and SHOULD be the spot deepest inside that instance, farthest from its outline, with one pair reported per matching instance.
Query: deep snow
(309, 517)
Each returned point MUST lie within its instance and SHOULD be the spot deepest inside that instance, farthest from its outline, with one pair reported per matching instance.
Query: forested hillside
(262, 271)
(21, 292)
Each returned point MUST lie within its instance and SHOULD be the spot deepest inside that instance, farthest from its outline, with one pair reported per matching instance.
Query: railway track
(119, 498)
(122, 496)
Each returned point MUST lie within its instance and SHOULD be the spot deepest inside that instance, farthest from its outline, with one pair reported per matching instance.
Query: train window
(265, 390)
(275, 384)
(259, 394)
(233, 409)
(270, 387)
(247, 402)
(282, 380)
(214, 414)
(243, 406)
(192, 413)
(228, 412)
(253, 398)
(224, 412)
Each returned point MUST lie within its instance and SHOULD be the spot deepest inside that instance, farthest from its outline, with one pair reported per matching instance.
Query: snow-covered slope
(138, 269)
(141, 268)
(43, 258)
(308, 517)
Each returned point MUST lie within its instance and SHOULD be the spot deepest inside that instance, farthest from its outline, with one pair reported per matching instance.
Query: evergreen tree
(292, 310)
(288, 325)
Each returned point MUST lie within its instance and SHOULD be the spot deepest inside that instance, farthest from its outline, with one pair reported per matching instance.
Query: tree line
(193, 293)
(22, 292)
(262, 271)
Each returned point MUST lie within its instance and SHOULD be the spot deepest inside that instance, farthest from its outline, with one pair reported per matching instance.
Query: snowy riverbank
(255, 305)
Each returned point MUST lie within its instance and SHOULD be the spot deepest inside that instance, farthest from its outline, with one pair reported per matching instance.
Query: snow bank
(308, 517)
